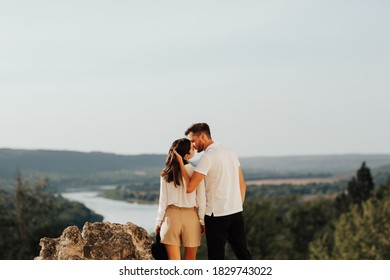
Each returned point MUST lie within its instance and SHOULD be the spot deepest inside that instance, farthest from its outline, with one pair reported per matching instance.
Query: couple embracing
(206, 199)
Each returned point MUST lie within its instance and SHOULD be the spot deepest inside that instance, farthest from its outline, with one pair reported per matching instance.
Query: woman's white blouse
(178, 196)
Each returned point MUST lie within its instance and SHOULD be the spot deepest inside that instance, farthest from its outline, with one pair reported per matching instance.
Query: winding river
(115, 211)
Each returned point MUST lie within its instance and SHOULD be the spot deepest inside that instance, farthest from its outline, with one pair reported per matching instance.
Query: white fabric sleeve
(203, 165)
(163, 201)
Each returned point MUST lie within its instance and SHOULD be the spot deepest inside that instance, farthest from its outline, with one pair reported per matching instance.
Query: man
(225, 192)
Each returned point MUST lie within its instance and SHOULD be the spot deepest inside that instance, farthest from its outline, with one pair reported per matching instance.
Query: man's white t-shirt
(220, 165)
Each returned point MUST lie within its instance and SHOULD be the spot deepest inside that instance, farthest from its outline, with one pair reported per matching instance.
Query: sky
(270, 77)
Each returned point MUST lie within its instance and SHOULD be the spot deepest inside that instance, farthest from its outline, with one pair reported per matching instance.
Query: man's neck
(208, 143)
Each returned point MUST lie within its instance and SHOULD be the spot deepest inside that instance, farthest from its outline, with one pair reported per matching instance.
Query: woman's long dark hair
(171, 171)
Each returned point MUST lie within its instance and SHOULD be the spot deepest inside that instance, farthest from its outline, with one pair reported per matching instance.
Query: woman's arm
(162, 205)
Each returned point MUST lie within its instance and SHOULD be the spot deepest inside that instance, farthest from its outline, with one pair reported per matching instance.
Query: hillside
(381, 174)
(69, 168)
(310, 166)
(69, 162)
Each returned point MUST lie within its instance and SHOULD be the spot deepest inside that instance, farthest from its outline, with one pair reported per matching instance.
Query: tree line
(353, 223)
(30, 212)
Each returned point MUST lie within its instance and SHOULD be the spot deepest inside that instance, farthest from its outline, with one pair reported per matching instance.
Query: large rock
(98, 241)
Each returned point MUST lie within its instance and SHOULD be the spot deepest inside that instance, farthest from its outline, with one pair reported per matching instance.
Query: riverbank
(116, 211)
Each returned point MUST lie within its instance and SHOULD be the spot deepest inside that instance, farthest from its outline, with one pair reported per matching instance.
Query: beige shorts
(181, 227)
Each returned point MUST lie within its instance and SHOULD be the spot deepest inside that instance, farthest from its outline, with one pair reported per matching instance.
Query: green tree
(267, 234)
(8, 232)
(283, 227)
(321, 247)
(361, 188)
(363, 232)
(31, 213)
(306, 221)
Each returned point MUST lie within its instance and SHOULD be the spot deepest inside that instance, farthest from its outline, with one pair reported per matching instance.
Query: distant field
(297, 182)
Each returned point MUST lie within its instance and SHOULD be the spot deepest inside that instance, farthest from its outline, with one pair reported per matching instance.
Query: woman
(180, 216)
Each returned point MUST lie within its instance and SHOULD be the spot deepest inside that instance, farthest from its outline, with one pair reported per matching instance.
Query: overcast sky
(271, 77)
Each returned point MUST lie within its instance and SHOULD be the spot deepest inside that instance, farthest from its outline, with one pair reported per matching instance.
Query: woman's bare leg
(190, 253)
(173, 252)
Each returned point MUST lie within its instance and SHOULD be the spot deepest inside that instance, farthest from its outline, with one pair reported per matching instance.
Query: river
(116, 211)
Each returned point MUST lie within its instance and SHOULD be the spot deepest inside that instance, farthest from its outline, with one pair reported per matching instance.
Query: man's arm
(194, 181)
(242, 184)
(191, 182)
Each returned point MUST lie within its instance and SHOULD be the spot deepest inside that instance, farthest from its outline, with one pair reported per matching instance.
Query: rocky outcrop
(98, 241)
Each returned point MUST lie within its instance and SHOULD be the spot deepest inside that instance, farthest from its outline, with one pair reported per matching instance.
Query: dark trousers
(220, 230)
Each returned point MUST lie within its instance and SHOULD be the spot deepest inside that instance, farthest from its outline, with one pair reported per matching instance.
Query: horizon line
(155, 153)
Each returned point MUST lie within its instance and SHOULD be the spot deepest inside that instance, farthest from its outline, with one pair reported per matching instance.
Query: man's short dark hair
(198, 128)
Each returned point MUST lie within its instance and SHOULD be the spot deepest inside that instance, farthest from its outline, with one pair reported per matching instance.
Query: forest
(346, 219)
(30, 212)
(353, 224)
